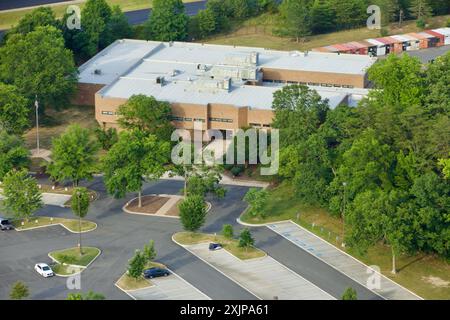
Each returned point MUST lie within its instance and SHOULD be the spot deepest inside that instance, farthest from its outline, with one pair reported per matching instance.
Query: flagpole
(36, 104)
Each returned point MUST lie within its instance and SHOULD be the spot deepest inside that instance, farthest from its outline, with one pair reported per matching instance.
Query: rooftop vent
(160, 81)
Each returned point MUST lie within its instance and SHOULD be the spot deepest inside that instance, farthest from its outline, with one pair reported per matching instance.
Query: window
(199, 119)
(255, 124)
(266, 125)
(221, 120)
(108, 113)
(188, 119)
(174, 118)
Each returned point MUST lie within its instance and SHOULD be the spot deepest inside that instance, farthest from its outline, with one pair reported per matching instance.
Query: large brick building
(222, 87)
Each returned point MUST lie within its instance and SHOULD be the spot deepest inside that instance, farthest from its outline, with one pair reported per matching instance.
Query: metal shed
(445, 32)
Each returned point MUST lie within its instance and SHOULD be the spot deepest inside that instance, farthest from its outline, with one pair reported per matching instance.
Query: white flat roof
(129, 67)
(122, 55)
(376, 42)
(114, 60)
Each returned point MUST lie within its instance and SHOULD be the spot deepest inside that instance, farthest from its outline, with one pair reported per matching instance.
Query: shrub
(19, 291)
(227, 231)
(237, 170)
(349, 294)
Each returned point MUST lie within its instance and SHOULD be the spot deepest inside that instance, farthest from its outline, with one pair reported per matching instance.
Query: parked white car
(44, 270)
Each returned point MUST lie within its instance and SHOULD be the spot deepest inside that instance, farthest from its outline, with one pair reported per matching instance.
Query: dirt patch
(437, 282)
(174, 211)
(150, 204)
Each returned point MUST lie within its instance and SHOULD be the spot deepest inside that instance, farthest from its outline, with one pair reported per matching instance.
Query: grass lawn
(257, 32)
(128, 283)
(9, 19)
(56, 122)
(231, 246)
(71, 224)
(65, 270)
(426, 275)
(72, 256)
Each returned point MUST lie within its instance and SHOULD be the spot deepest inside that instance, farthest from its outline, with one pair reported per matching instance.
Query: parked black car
(156, 272)
(215, 246)
(5, 224)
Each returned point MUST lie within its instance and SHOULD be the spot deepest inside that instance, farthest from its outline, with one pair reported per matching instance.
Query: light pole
(79, 220)
(344, 184)
(36, 104)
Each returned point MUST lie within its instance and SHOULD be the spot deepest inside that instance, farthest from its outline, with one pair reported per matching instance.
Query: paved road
(118, 235)
(15, 4)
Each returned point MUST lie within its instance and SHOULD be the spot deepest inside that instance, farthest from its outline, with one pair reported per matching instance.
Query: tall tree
(245, 239)
(192, 213)
(421, 9)
(22, 194)
(39, 65)
(80, 207)
(117, 27)
(168, 21)
(14, 109)
(136, 265)
(323, 16)
(13, 154)
(39, 17)
(437, 88)
(74, 155)
(148, 115)
(350, 13)
(295, 16)
(134, 158)
(256, 199)
(96, 15)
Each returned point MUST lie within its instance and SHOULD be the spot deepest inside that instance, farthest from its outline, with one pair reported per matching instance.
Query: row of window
(258, 125)
(329, 85)
(109, 113)
(181, 119)
(221, 120)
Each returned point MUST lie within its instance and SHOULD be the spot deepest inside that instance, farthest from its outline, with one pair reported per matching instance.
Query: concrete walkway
(54, 199)
(172, 287)
(173, 199)
(227, 181)
(264, 277)
(341, 261)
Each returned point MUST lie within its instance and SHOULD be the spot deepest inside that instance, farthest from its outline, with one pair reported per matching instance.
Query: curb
(74, 265)
(58, 224)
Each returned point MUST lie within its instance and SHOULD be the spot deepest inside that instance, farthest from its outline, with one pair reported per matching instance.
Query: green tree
(192, 212)
(349, 294)
(19, 291)
(96, 15)
(299, 111)
(421, 9)
(80, 207)
(245, 239)
(206, 23)
(22, 194)
(295, 18)
(14, 110)
(168, 21)
(107, 137)
(445, 163)
(147, 115)
(13, 153)
(350, 13)
(436, 86)
(73, 155)
(39, 17)
(116, 28)
(39, 65)
(257, 199)
(149, 251)
(323, 16)
(134, 158)
(227, 231)
(136, 265)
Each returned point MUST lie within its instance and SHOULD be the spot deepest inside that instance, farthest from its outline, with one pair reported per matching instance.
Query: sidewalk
(226, 180)
(264, 277)
(340, 260)
(54, 199)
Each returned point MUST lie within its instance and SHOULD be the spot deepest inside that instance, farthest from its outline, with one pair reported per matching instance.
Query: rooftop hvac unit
(97, 72)
(160, 80)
